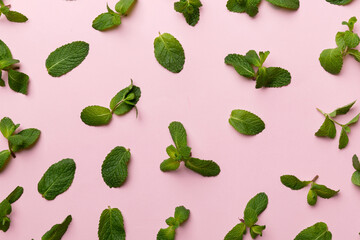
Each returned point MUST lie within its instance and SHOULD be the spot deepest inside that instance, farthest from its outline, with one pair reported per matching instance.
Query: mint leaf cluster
(355, 178)
(246, 122)
(120, 104)
(316, 190)
(112, 19)
(339, 2)
(111, 225)
(253, 209)
(12, 16)
(17, 81)
(58, 230)
(264, 76)
(190, 9)
(181, 215)
(181, 152)
(17, 141)
(328, 128)
(251, 6)
(332, 59)
(5, 208)
(317, 231)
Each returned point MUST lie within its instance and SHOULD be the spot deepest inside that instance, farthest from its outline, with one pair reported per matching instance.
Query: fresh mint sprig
(181, 152)
(12, 16)
(316, 190)
(328, 128)
(111, 19)
(6, 209)
(332, 59)
(181, 215)
(190, 9)
(253, 209)
(264, 76)
(16, 141)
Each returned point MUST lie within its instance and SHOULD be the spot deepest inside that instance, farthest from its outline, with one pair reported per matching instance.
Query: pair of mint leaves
(122, 103)
(17, 141)
(246, 122)
(5, 208)
(181, 215)
(12, 16)
(332, 59)
(328, 128)
(181, 152)
(318, 231)
(264, 76)
(316, 190)
(112, 19)
(17, 81)
(253, 209)
(190, 10)
(251, 6)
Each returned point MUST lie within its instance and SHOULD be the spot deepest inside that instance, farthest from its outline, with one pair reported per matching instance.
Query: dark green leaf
(277, 77)
(356, 163)
(58, 230)
(327, 129)
(323, 191)
(339, 2)
(344, 139)
(319, 231)
(124, 6)
(96, 115)
(15, 194)
(258, 203)
(240, 6)
(5, 52)
(14, 16)
(293, 182)
(331, 60)
(24, 139)
(4, 159)
(206, 168)
(111, 225)
(289, 4)
(241, 65)
(253, 58)
(18, 81)
(342, 110)
(166, 233)
(125, 100)
(236, 233)
(246, 122)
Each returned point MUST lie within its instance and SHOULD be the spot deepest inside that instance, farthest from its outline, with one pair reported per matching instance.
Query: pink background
(201, 97)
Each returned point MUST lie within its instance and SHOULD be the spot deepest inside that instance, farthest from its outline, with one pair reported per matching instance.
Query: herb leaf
(57, 179)
(293, 182)
(317, 231)
(66, 58)
(276, 77)
(237, 232)
(331, 60)
(246, 122)
(241, 6)
(181, 215)
(206, 168)
(166, 166)
(241, 65)
(96, 115)
(311, 197)
(289, 4)
(111, 225)
(125, 100)
(344, 139)
(190, 10)
(4, 159)
(339, 2)
(5, 208)
(342, 110)
(258, 203)
(15, 194)
(7, 127)
(24, 139)
(327, 129)
(18, 81)
(58, 230)
(323, 191)
(124, 6)
(106, 21)
(178, 134)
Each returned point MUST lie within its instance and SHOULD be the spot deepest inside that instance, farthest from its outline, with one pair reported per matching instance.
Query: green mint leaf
(173, 152)
(206, 168)
(4, 159)
(171, 221)
(344, 139)
(5, 63)
(274, 77)
(15, 194)
(356, 163)
(261, 77)
(323, 191)
(7, 127)
(354, 120)
(58, 230)
(289, 4)
(5, 209)
(327, 129)
(57, 179)
(18, 81)
(125, 100)
(4, 224)
(240, 6)
(241, 65)
(340, 41)
(124, 6)
(331, 60)
(253, 58)
(342, 110)
(181, 214)
(190, 10)
(169, 165)
(293, 182)
(258, 203)
(236, 233)
(339, 2)
(106, 21)
(257, 229)
(96, 115)
(350, 23)
(180, 6)
(166, 233)
(24, 139)
(351, 39)
(250, 217)
(169, 52)
(318, 231)
(111, 225)
(311, 197)
(2, 82)
(66, 58)
(178, 134)
(355, 178)
(14, 16)
(114, 168)
(355, 53)
(246, 122)
(263, 56)
(4, 51)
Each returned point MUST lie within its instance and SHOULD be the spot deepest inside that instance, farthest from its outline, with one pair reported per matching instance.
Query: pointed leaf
(58, 230)
(319, 231)
(24, 139)
(18, 81)
(342, 110)
(241, 65)
(293, 182)
(323, 191)
(258, 203)
(246, 122)
(206, 168)
(327, 129)
(236, 233)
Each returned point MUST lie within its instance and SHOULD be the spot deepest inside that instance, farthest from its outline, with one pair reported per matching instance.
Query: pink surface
(201, 97)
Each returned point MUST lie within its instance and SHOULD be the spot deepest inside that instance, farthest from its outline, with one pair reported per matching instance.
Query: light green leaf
(166, 233)
(206, 168)
(351, 39)
(178, 134)
(169, 52)
(339, 2)
(15, 194)
(241, 65)
(293, 182)
(18, 81)
(355, 178)
(354, 120)
(5, 63)
(258, 203)
(319, 231)
(58, 230)
(289, 4)
(111, 225)
(355, 53)
(24, 139)
(96, 115)
(258, 229)
(124, 6)
(327, 129)
(169, 165)
(114, 168)
(236, 233)
(344, 139)
(263, 56)
(311, 198)
(173, 152)
(351, 21)
(342, 110)
(7, 127)
(125, 100)
(66, 58)
(181, 214)
(106, 21)
(253, 58)
(323, 191)
(331, 60)
(57, 179)
(4, 159)
(340, 41)
(356, 163)
(246, 122)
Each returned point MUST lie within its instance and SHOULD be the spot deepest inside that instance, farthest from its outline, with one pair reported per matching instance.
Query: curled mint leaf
(317, 231)
(311, 197)
(58, 230)
(293, 182)
(246, 122)
(111, 225)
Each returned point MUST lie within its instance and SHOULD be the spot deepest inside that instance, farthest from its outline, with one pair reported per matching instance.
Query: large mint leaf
(178, 134)
(331, 60)
(246, 122)
(58, 230)
(342, 110)
(323, 191)
(96, 115)
(277, 77)
(111, 225)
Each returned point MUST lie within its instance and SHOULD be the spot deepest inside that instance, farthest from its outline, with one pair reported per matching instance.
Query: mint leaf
(327, 129)
(24, 139)
(124, 6)
(205, 168)
(58, 230)
(258, 203)
(246, 122)
(6, 209)
(311, 197)
(96, 115)
(240, 6)
(355, 53)
(275, 77)
(344, 139)
(350, 23)
(340, 41)
(339, 2)
(5, 52)
(18, 81)
(253, 58)
(289, 4)
(178, 134)
(166, 233)
(331, 60)
(106, 21)
(57, 179)
(111, 225)
(125, 100)
(7, 127)
(351, 39)
(114, 168)
(323, 191)
(66, 58)
(15, 194)
(6, 63)
(14, 16)
(236, 233)
(293, 182)
(318, 231)
(256, 230)
(190, 10)
(181, 214)
(342, 110)
(250, 217)
(263, 56)
(4, 159)
(241, 65)
(169, 52)
(356, 163)
(169, 165)
(354, 120)
(355, 178)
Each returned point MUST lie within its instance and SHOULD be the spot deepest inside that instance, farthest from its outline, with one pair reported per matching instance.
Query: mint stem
(241, 220)
(327, 115)
(11, 152)
(315, 178)
(321, 112)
